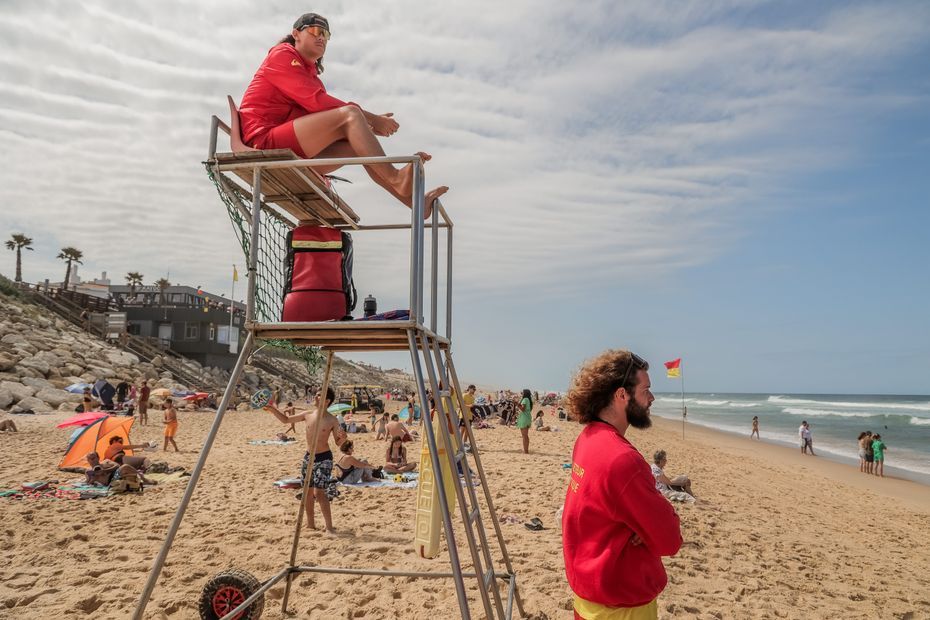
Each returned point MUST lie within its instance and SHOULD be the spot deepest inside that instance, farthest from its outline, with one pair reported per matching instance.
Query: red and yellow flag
(673, 368)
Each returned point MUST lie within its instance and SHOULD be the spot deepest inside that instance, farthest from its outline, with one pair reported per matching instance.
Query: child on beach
(396, 458)
(171, 424)
(878, 452)
(540, 423)
(755, 428)
(381, 427)
(524, 419)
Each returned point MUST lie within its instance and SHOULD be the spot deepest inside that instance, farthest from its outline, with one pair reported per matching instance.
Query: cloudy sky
(743, 184)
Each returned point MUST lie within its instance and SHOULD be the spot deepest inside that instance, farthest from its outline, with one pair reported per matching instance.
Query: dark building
(190, 321)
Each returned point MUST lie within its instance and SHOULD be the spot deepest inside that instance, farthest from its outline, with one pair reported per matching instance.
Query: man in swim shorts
(171, 424)
(321, 477)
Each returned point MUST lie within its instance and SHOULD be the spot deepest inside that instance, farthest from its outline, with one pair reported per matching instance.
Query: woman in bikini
(350, 470)
(287, 107)
(396, 458)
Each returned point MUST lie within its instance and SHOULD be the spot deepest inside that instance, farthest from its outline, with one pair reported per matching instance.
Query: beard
(637, 415)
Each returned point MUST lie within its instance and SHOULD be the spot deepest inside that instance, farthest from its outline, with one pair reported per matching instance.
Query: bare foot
(431, 197)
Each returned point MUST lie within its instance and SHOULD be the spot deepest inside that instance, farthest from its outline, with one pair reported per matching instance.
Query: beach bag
(318, 280)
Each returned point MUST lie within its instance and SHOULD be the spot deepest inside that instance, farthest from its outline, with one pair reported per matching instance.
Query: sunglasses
(635, 360)
(317, 31)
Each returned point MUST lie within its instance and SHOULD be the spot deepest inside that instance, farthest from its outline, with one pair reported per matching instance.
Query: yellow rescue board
(429, 512)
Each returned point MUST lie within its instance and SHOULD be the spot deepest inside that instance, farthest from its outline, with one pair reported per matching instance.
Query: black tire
(225, 591)
(377, 407)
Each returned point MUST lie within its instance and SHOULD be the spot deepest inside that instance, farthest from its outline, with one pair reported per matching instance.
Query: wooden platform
(300, 191)
(347, 335)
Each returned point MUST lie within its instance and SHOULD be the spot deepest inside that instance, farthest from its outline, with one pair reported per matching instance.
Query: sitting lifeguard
(287, 107)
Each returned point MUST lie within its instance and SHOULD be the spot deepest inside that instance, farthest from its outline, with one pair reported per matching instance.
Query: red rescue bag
(318, 281)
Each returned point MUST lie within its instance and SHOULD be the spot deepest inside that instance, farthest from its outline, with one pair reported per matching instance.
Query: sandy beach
(774, 535)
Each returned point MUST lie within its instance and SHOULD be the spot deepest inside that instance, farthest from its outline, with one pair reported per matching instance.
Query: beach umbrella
(196, 396)
(83, 419)
(77, 388)
(339, 407)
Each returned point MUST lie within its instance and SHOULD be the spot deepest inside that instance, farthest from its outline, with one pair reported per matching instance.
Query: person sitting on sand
(676, 489)
(87, 404)
(540, 423)
(8, 425)
(116, 446)
(321, 480)
(286, 106)
(350, 470)
(351, 426)
(396, 458)
(381, 427)
(99, 472)
(396, 429)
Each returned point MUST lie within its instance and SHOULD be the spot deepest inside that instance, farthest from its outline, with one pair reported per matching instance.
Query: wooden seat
(346, 335)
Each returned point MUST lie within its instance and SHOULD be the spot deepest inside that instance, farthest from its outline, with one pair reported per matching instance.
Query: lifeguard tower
(267, 193)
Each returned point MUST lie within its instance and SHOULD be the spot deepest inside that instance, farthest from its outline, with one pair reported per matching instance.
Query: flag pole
(232, 308)
(684, 410)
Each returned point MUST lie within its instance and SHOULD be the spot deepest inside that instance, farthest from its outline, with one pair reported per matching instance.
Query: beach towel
(390, 315)
(75, 489)
(271, 442)
(409, 482)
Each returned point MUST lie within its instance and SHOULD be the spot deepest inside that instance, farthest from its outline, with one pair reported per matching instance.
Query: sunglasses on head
(636, 361)
(317, 31)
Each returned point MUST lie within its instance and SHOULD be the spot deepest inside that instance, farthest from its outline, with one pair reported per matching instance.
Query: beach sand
(775, 535)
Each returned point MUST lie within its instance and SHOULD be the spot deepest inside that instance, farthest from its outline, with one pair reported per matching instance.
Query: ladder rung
(488, 578)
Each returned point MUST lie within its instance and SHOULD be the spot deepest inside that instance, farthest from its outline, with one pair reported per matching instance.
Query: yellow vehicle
(361, 397)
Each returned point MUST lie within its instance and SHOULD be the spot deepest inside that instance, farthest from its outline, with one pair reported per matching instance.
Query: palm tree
(162, 284)
(134, 279)
(17, 242)
(70, 255)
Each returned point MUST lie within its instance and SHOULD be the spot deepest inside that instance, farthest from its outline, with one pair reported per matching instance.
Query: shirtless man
(171, 424)
(321, 479)
(396, 428)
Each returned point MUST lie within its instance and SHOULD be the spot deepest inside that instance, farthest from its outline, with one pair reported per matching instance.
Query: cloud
(585, 146)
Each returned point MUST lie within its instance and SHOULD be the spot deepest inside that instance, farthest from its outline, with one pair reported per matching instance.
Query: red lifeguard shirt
(612, 496)
(285, 87)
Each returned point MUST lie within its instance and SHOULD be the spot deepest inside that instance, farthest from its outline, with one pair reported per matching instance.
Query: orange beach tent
(96, 438)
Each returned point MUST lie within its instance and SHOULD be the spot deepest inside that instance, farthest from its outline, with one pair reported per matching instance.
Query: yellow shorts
(595, 611)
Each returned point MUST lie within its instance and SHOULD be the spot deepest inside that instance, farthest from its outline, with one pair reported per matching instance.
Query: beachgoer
(289, 410)
(321, 481)
(755, 428)
(666, 485)
(469, 399)
(396, 428)
(616, 526)
(171, 424)
(381, 427)
(99, 472)
(87, 404)
(807, 440)
(286, 106)
(561, 413)
(117, 446)
(122, 392)
(8, 425)
(540, 423)
(395, 459)
(350, 469)
(144, 392)
(878, 451)
(869, 453)
(861, 440)
(525, 419)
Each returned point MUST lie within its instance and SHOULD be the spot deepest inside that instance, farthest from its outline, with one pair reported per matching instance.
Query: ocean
(836, 421)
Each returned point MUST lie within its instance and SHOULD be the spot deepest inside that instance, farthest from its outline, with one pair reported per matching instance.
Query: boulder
(18, 390)
(38, 384)
(74, 370)
(34, 363)
(6, 398)
(157, 361)
(31, 403)
(149, 374)
(66, 407)
(52, 396)
(50, 358)
(7, 362)
(122, 358)
(13, 338)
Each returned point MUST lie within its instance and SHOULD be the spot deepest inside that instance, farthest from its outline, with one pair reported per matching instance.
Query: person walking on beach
(144, 393)
(321, 479)
(616, 525)
(807, 440)
(878, 451)
(525, 419)
(171, 424)
(286, 106)
(755, 428)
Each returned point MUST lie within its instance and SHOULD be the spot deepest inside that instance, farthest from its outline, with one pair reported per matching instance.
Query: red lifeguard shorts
(281, 137)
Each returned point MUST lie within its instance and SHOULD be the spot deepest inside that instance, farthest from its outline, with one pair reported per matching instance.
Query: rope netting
(272, 256)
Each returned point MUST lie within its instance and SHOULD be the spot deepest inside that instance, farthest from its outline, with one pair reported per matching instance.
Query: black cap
(311, 19)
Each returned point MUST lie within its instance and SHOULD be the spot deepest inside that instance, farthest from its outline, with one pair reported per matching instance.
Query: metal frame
(426, 348)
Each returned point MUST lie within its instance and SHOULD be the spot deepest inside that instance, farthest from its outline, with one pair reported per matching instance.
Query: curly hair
(594, 384)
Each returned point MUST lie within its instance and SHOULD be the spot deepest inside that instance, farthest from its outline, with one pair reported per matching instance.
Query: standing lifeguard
(287, 107)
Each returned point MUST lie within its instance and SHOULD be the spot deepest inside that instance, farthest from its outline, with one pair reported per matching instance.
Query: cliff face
(42, 353)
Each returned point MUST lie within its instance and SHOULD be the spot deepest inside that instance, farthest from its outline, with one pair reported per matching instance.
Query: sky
(742, 184)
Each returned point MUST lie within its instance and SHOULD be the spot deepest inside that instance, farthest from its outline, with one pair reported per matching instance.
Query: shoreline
(914, 493)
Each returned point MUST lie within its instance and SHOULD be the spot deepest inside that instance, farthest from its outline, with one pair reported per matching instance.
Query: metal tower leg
(321, 408)
(437, 471)
(487, 489)
(195, 477)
